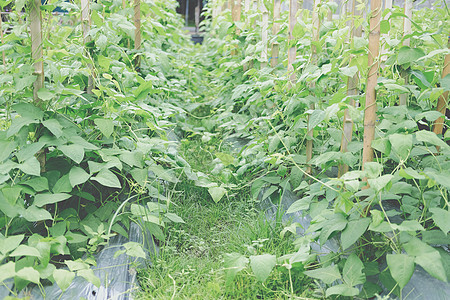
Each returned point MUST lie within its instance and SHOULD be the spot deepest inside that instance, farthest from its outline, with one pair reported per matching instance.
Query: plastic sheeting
(117, 275)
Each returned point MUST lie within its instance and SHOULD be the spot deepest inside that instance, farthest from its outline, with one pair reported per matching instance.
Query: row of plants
(388, 217)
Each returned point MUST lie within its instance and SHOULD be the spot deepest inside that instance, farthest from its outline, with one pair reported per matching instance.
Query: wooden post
(292, 52)
(352, 91)
(236, 17)
(137, 33)
(275, 31)
(315, 38)
(86, 25)
(370, 111)
(264, 34)
(37, 48)
(403, 98)
(443, 99)
(1, 33)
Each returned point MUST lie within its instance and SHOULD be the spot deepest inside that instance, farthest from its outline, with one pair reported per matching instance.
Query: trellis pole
(236, 17)
(443, 99)
(137, 32)
(315, 39)
(403, 98)
(292, 52)
(1, 33)
(275, 31)
(370, 111)
(37, 48)
(264, 34)
(352, 91)
(86, 25)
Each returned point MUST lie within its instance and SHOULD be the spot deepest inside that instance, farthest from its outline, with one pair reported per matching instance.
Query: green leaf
(89, 275)
(28, 110)
(11, 194)
(225, 158)
(78, 176)
(34, 214)
(74, 152)
(7, 148)
(31, 166)
(352, 272)
(342, 289)
(140, 176)
(174, 218)
(299, 205)
(328, 274)
(385, 26)
(10, 243)
(38, 184)
(134, 249)
(408, 225)
(162, 173)
(106, 126)
(63, 278)
(62, 185)
(29, 274)
(54, 127)
(7, 270)
(107, 178)
(379, 183)
(29, 151)
(427, 257)
(373, 169)
(430, 137)
(269, 192)
(217, 193)
(401, 267)
(234, 263)
(354, 230)
(401, 144)
(349, 71)
(45, 94)
(48, 198)
(410, 173)
(441, 218)
(262, 265)
(133, 159)
(17, 124)
(315, 118)
(20, 4)
(408, 55)
(24, 250)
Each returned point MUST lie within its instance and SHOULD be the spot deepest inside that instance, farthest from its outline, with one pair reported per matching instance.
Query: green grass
(190, 264)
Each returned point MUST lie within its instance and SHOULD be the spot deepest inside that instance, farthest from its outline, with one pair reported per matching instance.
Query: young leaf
(78, 176)
(174, 218)
(34, 214)
(401, 267)
(353, 271)
(48, 198)
(29, 274)
(7, 270)
(107, 178)
(262, 265)
(31, 166)
(328, 274)
(29, 151)
(38, 184)
(89, 275)
(217, 193)
(354, 230)
(10, 243)
(63, 278)
(430, 137)
(106, 126)
(74, 152)
(401, 144)
(24, 250)
(408, 55)
(233, 263)
(134, 249)
(441, 218)
(54, 127)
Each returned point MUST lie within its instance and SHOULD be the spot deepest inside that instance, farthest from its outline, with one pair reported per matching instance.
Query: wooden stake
(86, 25)
(403, 98)
(352, 90)
(292, 52)
(443, 99)
(370, 112)
(137, 33)
(1, 33)
(236, 17)
(37, 48)
(264, 34)
(275, 31)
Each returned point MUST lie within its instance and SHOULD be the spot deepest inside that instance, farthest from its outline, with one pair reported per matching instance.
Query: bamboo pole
(352, 91)
(315, 39)
(292, 52)
(137, 33)
(86, 25)
(37, 48)
(1, 33)
(236, 17)
(370, 112)
(264, 34)
(403, 98)
(443, 99)
(275, 31)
